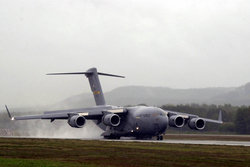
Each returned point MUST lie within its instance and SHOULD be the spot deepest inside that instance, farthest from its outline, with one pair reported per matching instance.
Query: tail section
(95, 86)
(94, 83)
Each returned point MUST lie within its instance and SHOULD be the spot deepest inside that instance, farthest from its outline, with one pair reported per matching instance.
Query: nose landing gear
(160, 137)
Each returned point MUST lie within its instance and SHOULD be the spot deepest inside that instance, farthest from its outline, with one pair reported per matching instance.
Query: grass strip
(58, 152)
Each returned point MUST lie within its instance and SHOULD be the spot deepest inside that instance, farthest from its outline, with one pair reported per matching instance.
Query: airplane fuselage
(141, 122)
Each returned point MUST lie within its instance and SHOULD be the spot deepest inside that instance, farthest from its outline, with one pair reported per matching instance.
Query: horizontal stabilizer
(110, 75)
(86, 73)
(70, 73)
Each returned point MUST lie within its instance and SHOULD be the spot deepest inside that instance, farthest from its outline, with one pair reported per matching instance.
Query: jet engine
(76, 121)
(197, 123)
(176, 121)
(111, 120)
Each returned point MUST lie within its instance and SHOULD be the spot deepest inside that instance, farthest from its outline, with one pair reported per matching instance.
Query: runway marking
(196, 142)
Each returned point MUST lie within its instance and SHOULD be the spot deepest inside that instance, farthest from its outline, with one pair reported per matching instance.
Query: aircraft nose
(163, 124)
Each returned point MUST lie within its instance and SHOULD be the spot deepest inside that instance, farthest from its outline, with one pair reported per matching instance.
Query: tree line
(236, 118)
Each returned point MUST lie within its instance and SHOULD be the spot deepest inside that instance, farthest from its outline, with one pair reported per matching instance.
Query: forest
(236, 118)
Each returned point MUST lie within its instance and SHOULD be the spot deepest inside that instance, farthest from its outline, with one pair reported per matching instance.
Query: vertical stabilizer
(95, 86)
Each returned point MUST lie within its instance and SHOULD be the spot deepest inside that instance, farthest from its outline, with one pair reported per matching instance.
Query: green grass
(14, 162)
(74, 153)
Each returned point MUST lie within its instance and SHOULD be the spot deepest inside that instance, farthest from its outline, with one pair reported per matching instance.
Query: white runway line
(201, 142)
(209, 142)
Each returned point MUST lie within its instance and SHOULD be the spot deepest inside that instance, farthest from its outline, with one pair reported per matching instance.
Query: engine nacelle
(197, 123)
(76, 121)
(111, 120)
(176, 121)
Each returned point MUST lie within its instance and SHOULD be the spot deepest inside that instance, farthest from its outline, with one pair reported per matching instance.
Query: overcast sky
(172, 43)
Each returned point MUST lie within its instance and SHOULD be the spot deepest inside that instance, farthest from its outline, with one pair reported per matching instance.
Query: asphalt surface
(202, 142)
(170, 141)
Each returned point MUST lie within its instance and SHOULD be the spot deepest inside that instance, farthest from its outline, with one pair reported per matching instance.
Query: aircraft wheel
(111, 137)
(106, 137)
(160, 137)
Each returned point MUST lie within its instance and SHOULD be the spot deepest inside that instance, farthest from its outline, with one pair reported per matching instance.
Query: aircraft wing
(190, 116)
(94, 113)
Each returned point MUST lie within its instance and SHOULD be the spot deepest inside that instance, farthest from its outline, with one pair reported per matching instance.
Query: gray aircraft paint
(95, 86)
(138, 121)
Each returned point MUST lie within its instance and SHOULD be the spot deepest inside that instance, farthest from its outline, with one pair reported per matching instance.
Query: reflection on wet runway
(203, 142)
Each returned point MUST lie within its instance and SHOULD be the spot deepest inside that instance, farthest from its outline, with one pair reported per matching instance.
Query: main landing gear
(112, 137)
(160, 137)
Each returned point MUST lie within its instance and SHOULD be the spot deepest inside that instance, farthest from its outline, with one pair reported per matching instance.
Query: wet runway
(202, 142)
(206, 142)
(170, 141)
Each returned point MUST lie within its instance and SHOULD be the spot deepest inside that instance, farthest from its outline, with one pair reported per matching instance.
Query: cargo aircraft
(142, 122)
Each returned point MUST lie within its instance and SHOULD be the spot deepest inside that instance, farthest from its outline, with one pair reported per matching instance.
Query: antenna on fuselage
(94, 82)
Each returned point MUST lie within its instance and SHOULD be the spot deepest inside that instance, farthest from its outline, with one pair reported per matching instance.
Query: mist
(57, 129)
(44, 128)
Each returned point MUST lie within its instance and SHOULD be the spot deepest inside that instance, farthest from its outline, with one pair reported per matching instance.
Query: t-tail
(94, 82)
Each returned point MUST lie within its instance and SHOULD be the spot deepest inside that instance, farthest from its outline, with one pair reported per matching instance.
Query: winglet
(11, 118)
(220, 117)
